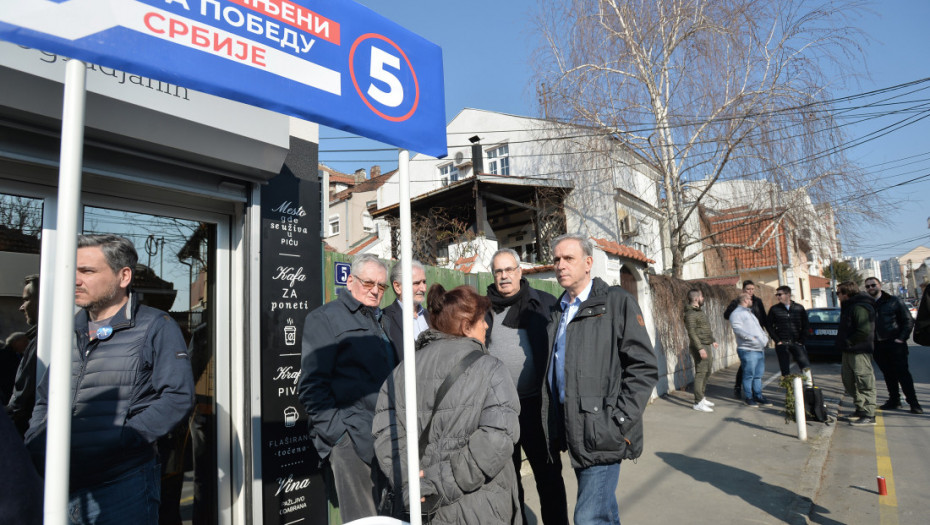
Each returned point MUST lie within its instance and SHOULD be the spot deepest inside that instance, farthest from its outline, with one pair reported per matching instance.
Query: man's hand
(702, 353)
(716, 345)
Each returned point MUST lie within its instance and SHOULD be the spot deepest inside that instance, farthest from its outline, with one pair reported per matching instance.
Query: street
(746, 465)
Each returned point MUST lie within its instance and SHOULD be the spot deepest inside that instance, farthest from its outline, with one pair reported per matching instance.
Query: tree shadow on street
(747, 486)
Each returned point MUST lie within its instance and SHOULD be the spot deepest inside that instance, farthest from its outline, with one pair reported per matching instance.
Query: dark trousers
(786, 351)
(891, 358)
(549, 483)
(356, 483)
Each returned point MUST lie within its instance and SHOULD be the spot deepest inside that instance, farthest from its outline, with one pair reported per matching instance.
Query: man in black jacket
(893, 324)
(855, 338)
(788, 325)
(392, 317)
(517, 336)
(601, 372)
(132, 383)
(758, 310)
(345, 358)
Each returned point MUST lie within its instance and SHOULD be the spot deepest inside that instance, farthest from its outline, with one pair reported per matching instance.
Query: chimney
(375, 171)
(477, 158)
(360, 175)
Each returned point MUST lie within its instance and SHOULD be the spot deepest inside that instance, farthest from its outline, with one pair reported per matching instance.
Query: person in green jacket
(701, 345)
(855, 338)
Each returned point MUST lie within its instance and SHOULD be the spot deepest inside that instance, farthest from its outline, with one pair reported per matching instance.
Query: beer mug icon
(290, 335)
(290, 417)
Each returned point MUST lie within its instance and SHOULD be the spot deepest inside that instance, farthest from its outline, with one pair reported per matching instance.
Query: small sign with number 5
(342, 273)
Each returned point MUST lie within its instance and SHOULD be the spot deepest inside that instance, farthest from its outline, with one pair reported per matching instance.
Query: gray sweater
(749, 334)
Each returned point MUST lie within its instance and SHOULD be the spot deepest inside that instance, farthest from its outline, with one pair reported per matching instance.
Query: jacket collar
(124, 318)
(354, 305)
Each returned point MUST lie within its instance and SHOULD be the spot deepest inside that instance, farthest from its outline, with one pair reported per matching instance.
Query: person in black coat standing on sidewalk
(788, 326)
(893, 325)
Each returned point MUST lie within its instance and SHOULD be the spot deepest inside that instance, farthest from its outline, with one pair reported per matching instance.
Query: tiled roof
(742, 226)
(365, 185)
(819, 282)
(465, 264)
(720, 281)
(622, 251)
(361, 245)
(539, 269)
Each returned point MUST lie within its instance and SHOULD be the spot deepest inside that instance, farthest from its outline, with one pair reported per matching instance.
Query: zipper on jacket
(86, 353)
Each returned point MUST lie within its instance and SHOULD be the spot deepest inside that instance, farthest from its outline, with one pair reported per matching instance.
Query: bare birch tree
(708, 91)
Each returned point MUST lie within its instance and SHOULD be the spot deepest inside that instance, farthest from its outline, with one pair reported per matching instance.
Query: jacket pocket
(601, 430)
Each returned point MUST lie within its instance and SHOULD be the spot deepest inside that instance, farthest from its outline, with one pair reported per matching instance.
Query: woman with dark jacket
(467, 476)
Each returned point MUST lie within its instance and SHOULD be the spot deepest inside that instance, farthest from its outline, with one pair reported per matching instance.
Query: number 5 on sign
(386, 82)
(342, 273)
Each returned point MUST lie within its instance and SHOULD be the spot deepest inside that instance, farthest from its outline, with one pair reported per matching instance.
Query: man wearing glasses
(517, 319)
(344, 360)
(788, 326)
(893, 324)
(393, 317)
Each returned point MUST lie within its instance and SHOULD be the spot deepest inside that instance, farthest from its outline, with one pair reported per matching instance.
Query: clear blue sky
(487, 52)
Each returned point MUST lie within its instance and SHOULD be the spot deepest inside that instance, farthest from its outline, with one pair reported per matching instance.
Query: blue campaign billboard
(333, 62)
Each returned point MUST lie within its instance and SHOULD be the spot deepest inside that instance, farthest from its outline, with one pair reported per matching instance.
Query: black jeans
(786, 351)
(549, 483)
(891, 358)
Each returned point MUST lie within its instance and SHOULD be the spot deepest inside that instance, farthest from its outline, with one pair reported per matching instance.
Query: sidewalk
(735, 465)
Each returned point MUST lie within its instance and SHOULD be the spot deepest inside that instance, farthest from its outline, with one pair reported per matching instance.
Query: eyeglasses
(871, 286)
(779, 294)
(509, 271)
(368, 285)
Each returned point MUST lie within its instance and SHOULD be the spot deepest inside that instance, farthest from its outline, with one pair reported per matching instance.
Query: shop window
(499, 160)
(20, 247)
(176, 273)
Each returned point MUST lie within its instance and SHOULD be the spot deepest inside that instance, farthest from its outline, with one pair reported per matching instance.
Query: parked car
(824, 323)
(911, 307)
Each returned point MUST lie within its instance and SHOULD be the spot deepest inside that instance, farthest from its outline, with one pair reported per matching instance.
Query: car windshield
(824, 316)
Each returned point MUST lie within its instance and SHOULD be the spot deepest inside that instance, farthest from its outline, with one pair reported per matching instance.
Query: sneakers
(863, 421)
(762, 400)
(708, 402)
(915, 408)
(702, 406)
(891, 404)
(750, 402)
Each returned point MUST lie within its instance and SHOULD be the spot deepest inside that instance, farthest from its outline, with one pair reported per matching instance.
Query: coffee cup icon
(290, 335)
(290, 417)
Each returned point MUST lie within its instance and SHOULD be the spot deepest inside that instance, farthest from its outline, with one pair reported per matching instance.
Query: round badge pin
(104, 332)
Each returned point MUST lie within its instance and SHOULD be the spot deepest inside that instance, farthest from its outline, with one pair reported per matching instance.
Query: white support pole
(58, 429)
(799, 415)
(410, 373)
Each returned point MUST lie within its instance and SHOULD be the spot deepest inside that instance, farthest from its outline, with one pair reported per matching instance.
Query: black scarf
(517, 303)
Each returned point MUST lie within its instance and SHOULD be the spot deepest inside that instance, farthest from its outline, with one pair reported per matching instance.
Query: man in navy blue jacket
(132, 383)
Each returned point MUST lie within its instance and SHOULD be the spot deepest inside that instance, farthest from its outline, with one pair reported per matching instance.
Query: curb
(812, 473)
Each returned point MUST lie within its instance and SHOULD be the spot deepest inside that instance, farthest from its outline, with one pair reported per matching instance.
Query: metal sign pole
(410, 373)
(58, 425)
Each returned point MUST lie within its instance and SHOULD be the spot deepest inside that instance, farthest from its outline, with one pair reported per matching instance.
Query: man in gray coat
(600, 373)
(346, 356)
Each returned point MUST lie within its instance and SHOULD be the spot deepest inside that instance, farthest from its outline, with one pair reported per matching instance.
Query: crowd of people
(873, 324)
(514, 372)
(510, 374)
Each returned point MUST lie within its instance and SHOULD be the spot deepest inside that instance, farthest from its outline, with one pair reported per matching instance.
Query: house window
(368, 225)
(448, 173)
(334, 225)
(499, 160)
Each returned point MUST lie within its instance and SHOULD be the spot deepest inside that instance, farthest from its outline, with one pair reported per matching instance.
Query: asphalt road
(897, 448)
